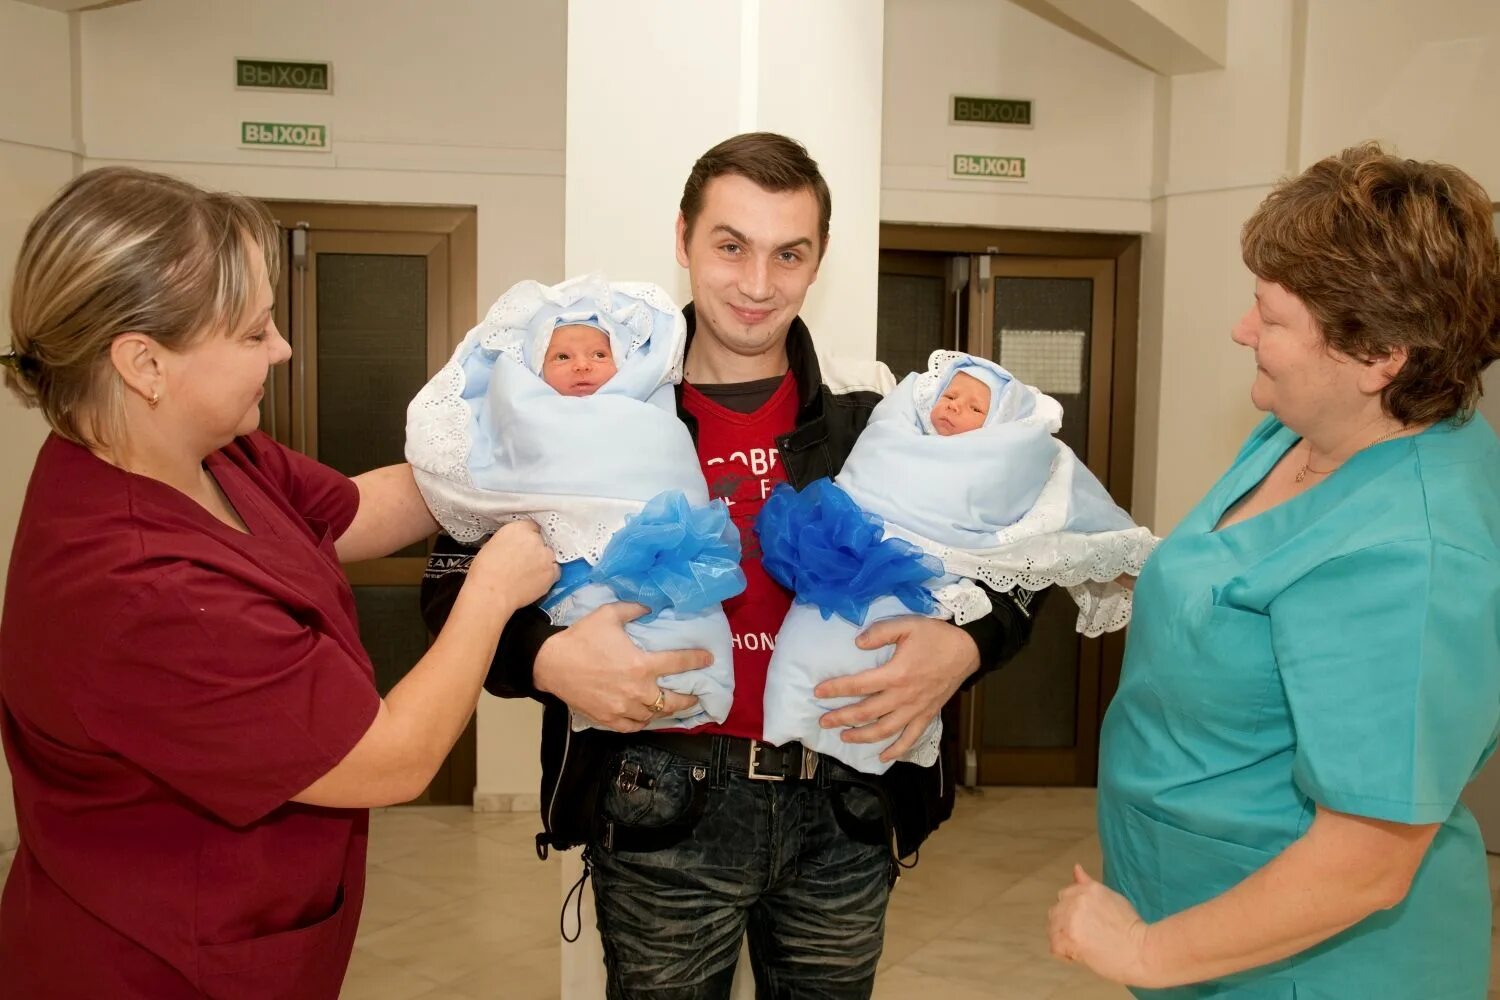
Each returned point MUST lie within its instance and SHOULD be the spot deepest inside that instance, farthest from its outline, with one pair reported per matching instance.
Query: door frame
(303, 368)
(1113, 426)
(447, 235)
(458, 224)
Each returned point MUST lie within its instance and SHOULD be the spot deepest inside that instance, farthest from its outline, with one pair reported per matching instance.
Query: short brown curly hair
(1387, 253)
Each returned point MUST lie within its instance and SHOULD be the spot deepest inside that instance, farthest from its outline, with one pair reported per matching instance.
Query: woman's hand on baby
(517, 563)
(599, 672)
(932, 659)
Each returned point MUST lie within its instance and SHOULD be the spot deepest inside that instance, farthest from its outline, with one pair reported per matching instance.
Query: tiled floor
(459, 907)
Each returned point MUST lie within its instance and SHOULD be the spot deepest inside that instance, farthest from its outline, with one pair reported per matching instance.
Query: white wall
(423, 109)
(446, 102)
(1225, 143)
(1424, 77)
(1088, 158)
(37, 145)
(752, 79)
(1200, 24)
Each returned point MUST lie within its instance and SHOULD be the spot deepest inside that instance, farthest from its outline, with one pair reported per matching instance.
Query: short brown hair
(118, 251)
(1387, 253)
(773, 161)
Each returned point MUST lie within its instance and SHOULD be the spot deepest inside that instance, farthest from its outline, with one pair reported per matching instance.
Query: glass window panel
(909, 321)
(1043, 328)
(372, 355)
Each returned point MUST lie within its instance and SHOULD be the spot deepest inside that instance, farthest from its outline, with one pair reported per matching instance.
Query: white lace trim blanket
(490, 442)
(1006, 504)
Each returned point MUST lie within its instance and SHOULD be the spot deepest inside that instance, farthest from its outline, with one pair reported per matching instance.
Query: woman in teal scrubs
(1313, 671)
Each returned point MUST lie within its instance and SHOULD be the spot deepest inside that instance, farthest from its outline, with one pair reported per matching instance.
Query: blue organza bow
(670, 555)
(820, 545)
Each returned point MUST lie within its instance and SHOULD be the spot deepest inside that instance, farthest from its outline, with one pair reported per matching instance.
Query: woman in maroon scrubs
(191, 724)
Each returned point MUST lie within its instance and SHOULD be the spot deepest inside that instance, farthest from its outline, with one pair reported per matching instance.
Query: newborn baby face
(962, 407)
(579, 360)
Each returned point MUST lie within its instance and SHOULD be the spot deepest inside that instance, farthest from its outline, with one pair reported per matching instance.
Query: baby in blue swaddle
(957, 478)
(559, 407)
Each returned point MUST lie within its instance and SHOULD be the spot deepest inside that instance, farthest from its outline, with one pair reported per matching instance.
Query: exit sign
(272, 74)
(990, 111)
(988, 168)
(284, 135)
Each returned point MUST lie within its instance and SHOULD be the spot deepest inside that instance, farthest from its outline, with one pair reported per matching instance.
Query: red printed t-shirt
(741, 464)
(167, 684)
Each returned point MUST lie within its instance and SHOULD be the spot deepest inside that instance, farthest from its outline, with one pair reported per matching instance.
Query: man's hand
(599, 672)
(932, 659)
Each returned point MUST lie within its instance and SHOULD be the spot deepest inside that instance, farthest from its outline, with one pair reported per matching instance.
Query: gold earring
(155, 398)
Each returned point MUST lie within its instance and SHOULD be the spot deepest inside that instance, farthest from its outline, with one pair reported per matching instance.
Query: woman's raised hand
(516, 562)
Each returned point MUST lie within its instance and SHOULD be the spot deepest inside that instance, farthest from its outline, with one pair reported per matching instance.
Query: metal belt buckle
(756, 747)
(809, 763)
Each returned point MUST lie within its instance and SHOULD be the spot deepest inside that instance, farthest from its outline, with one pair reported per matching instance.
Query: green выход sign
(286, 135)
(989, 168)
(271, 74)
(991, 111)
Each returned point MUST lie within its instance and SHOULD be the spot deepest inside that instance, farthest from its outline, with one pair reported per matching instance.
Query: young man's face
(751, 257)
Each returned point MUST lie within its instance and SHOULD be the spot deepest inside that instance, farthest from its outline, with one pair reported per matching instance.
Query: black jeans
(770, 859)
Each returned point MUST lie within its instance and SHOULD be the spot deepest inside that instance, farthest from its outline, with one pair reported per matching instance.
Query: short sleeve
(1390, 659)
(313, 489)
(217, 691)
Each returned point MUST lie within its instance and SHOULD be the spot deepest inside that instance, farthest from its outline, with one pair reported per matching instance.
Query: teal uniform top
(1341, 649)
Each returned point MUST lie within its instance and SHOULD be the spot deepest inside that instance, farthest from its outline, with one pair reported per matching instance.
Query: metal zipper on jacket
(557, 782)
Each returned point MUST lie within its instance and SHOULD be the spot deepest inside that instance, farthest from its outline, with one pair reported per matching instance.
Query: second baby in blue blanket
(957, 478)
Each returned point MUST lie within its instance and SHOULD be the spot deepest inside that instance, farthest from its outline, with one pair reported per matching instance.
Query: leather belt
(758, 761)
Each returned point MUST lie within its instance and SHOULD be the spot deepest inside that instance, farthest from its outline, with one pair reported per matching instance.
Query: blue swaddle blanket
(612, 478)
(1006, 504)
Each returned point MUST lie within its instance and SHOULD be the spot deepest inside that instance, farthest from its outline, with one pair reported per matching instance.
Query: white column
(653, 84)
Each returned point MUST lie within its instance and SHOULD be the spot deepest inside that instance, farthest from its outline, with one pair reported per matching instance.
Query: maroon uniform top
(167, 684)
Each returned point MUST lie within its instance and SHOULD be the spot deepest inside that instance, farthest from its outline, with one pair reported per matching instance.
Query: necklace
(1307, 465)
